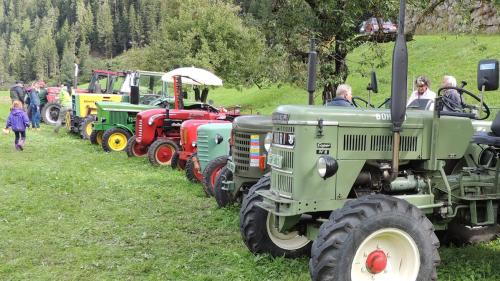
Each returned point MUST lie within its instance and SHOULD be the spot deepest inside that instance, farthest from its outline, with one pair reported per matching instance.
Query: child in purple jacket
(18, 121)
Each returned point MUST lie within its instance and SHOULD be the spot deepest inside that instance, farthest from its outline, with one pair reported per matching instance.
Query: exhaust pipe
(311, 69)
(399, 88)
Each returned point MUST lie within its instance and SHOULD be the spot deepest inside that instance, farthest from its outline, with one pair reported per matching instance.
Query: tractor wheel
(376, 237)
(115, 139)
(211, 172)
(86, 127)
(223, 197)
(161, 151)
(50, 113)
(460, 234)
(258, 230)
(135, 149)
(193, 173)
(175, 161)
(96, 137)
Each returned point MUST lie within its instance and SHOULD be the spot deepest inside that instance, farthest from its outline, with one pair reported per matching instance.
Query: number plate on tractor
(275, 160)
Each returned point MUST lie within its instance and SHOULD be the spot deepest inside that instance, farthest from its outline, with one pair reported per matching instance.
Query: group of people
(24, 99)
(423, 97)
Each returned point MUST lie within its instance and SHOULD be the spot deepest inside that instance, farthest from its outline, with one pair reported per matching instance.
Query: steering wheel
(362, 100)
(387, 100)
(455, 106)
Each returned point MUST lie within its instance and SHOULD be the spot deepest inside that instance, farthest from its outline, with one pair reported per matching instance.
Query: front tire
(115, 139)
(161, 151)
(96, 137)
(376, 237)
(211, 173)
(192, 173)
(50, 113)
(223, 197)
(134, 149)
(86, 127)
(258, 230)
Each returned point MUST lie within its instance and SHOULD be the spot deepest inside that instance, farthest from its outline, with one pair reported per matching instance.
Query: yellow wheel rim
(99, 138)
(67, 120)
(117, 142)
(88, 128)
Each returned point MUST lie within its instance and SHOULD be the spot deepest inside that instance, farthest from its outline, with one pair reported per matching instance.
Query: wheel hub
(376, 262)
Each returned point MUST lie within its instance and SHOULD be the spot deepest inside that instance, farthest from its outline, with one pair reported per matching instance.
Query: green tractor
(115, 121)
(363, 190)
(246, 164)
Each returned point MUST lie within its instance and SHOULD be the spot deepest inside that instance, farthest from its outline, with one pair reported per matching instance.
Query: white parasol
(193, 76)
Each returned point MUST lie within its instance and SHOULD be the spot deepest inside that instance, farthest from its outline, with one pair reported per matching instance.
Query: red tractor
(158, 130)
(186, 158)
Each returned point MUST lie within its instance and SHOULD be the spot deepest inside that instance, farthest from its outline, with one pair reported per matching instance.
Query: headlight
(268, 141)
(193, 144)
(218, 139)
(327, 167)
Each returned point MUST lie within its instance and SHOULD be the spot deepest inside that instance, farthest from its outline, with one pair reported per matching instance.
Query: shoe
(21, 143)
(17, 147)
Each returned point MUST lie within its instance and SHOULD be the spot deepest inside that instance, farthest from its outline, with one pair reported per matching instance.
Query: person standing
(65, 101)
(34, 106)
(17, 92)
(18, 121)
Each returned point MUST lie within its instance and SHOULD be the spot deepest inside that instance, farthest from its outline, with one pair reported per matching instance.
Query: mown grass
(69, 211)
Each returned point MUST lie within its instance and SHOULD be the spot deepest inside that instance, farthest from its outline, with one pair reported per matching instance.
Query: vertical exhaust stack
(134, 88)
(311, 70)
(178, 92)
(398, 89)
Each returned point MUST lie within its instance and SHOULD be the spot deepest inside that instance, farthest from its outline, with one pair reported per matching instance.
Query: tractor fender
(121, 126)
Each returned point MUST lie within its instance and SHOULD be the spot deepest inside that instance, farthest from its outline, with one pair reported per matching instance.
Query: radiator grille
(354, 142)
(138, 133)
(202, 147)
(241, 151)
(381, 143)
(283, 183)
(384, 143)
(287, 160)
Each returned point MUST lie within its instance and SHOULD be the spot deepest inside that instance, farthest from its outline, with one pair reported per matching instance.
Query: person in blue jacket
(18, 121)
(343, 96)
(34, 106)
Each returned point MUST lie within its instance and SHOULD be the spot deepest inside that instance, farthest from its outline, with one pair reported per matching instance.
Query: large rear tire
(86, 127)
(50, 113)
(134, 149)
(96, 137)
(212, 170)
(193, 174)
(460, 234)
(161, 151)
(376, 237)
(115, 139)
(258, 230)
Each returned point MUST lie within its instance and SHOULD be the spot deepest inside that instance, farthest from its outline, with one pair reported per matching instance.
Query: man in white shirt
(422, 93)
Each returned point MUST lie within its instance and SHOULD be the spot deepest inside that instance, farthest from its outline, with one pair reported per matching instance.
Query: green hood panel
(255, 123)
(349, 117)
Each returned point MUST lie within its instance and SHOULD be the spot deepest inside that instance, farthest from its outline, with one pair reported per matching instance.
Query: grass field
(69, 211)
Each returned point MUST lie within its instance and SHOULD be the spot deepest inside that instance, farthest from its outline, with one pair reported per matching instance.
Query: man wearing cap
(422, 93)
(17, 92)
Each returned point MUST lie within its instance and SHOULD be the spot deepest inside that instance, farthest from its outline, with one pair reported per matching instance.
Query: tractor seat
(493, 138)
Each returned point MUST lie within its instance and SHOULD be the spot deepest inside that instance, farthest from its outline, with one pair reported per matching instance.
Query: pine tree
(14, 56)
(68, 62)
(105, 28)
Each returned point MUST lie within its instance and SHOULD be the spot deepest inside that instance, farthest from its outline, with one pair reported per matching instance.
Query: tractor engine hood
(345, 117)
(256, 123)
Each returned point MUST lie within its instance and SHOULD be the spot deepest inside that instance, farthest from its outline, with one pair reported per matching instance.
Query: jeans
(35, 116)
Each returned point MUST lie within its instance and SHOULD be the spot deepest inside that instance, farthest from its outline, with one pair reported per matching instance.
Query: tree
(208, 34)
(105, 28)
(68, 62)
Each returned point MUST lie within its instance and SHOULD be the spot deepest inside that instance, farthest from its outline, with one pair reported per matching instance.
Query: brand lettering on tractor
(291, 139)
(384, 116)
(324, 145)
(322, 151)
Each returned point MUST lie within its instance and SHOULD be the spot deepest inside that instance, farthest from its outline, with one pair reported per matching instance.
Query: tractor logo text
(384, 117)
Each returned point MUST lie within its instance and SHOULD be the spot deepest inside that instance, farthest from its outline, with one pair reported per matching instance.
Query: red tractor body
(158, 130)
(187, 154)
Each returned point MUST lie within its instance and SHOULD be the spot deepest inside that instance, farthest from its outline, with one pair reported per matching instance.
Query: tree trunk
(340, 73)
